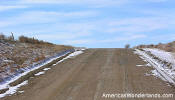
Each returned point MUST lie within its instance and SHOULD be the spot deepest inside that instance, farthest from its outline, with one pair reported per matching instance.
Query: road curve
(91, 75)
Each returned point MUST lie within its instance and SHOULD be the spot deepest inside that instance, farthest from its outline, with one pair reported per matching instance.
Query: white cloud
(123, 38)
(107, 40)
(142, 24)
(60, 31)
(4, 8)
(91, 3)
(79, 14)
(38, 17)
(61, 14)
(62, 35)
(4, 24)
(75, 42)
(48, 1)
(72, 32)
(95, 3)
(157, 1)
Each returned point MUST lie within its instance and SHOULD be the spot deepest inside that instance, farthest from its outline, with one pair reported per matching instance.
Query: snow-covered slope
(162, 61)
(163, 55)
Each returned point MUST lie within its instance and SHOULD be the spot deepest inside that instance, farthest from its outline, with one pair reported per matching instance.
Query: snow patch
(54, 64)
(45, 69)
(148, 64)
(160, 71)
(143, 65)
(163, 55)
(21, 91)
(139, 65)
(13, 89)
(157, 74)
(147, 74)
(76, 53)
(39, 73)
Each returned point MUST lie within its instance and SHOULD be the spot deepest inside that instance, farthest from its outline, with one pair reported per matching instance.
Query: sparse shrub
(5, 38)
(152, 45)
(19, 60)
(127, 46)
(24, 39)
(36, 59)
(169, 44)
(2, 36)
(169, 49)
(10, 38)
(42, 57)
(39, 58)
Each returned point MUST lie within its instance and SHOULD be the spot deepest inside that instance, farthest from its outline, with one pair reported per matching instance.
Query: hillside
(169, 47)
(161, 57)
(15, 54)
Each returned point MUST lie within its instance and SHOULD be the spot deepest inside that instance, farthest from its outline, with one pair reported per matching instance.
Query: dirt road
(91, 75)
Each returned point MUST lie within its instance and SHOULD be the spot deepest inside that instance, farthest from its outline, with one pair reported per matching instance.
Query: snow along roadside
(6, 84)
(74, 54)
(13, 89)
(156, 65)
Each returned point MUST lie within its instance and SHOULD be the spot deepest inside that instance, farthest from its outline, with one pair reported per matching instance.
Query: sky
(90, 23)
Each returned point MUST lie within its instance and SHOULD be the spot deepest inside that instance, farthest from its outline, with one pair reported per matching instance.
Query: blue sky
(90, 23)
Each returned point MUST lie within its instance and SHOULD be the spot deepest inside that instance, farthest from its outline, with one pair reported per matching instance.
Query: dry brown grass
(25, 51)
(39, 58)
(61, 47)
(25, 39)
(170, 47)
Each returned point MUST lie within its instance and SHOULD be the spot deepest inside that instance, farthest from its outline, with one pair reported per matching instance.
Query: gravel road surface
(92, 75)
